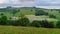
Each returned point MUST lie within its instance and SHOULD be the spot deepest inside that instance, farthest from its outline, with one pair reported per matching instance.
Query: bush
(40, 12)
(52, 16)
(51, 25)
(20, 22)
(58, 24)
(36, 23)
(43, 23)
(46, 24)
(12, 22)
(24, 21)
(3, 20)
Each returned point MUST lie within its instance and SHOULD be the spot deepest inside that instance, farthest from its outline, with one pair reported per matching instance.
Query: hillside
(29, 20)
(12, 11)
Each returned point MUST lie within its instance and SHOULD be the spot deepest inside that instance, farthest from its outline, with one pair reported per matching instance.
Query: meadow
(27, 30)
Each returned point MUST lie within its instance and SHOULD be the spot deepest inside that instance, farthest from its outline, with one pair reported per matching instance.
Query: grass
(27, 30)
(8, 14)
(43, 17)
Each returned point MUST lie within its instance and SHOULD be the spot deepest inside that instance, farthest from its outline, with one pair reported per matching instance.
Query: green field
(27, 30)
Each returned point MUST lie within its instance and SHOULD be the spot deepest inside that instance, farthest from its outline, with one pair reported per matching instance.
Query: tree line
(24, 21)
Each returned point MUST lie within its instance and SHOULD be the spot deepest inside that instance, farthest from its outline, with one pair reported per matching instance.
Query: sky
(38, 3)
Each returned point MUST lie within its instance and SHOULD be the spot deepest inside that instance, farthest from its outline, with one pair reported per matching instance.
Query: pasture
(27, 30)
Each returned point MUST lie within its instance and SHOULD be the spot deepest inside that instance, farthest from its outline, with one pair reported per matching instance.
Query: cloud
(15, 1)
(49, 7)
(48, 3)
(3, 1)
(44, 3)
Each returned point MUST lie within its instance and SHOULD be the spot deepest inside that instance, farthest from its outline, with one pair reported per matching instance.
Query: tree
(1, 14)
(36, 23)
(24, 21)
(9, 7)
(52, 16)
(40, 12)
(15, 10)
(3, 20)
(47, 24)
(12, 22)
(58, 24)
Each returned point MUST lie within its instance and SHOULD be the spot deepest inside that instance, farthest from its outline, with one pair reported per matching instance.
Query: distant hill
(10, 11)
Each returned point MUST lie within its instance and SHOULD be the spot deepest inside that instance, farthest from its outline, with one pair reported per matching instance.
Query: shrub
(40, 12)
(3, 20)
(24, 21)
(12, 22)
(36, 23)
(58, 24)
(43, 23)
(46, 24)
(52, 16)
